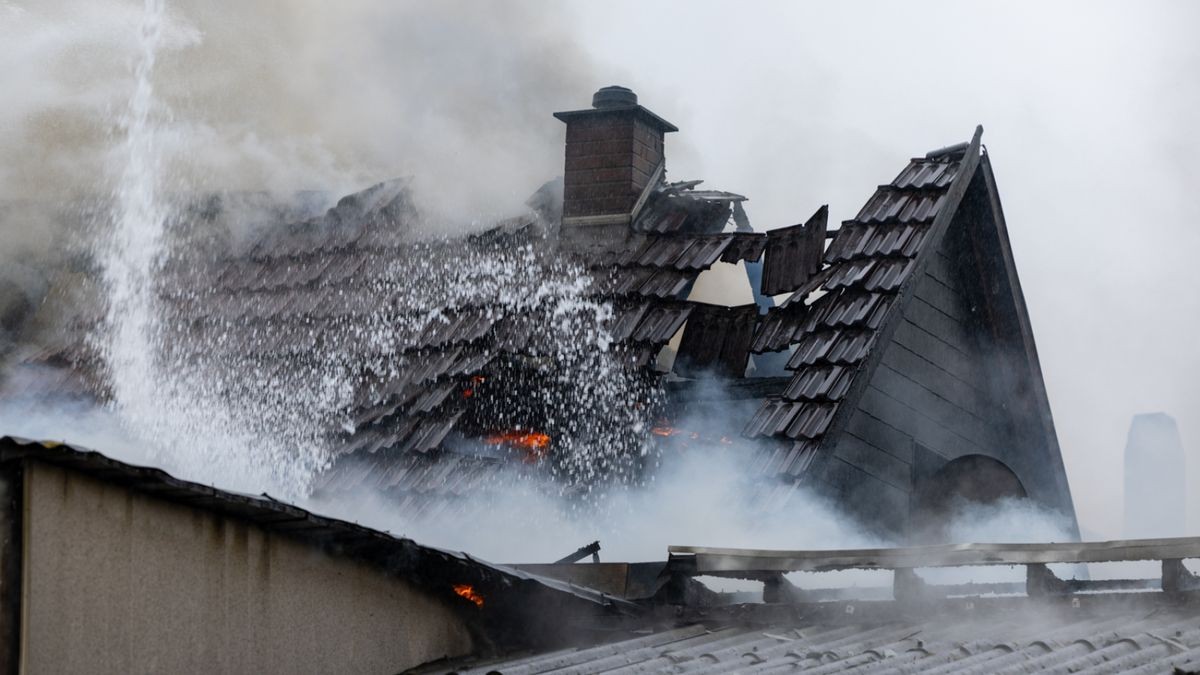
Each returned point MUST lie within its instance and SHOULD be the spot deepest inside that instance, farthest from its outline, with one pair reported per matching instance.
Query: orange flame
(533, 443)
(667, 431)
(468, 591)
(468, 392)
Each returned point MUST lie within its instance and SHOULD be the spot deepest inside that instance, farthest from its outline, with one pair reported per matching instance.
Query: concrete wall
(118, 582)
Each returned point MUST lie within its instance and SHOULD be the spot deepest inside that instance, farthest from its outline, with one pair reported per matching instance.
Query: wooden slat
(946, 412)
(930, 375)
(945, 298)
(874, 461)
(936, 350)
(881, 435)
(930, 432)
(866, 495)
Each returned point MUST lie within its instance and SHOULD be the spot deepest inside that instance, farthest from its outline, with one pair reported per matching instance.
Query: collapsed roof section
(642, 275)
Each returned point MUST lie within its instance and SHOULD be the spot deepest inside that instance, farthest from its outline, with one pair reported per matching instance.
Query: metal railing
(769, 566)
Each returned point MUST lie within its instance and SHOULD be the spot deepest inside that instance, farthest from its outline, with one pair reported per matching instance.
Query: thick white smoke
(287, 96)
(309, 95)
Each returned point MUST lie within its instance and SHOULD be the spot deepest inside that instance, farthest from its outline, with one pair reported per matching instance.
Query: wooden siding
(940, 385)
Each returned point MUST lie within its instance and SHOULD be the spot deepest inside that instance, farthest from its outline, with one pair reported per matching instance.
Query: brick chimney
(614, 155)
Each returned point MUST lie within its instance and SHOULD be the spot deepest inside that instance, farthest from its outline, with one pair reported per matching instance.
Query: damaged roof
(834, 318)
(329, 284)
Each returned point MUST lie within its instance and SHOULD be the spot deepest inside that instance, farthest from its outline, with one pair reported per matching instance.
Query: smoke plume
(286, 96)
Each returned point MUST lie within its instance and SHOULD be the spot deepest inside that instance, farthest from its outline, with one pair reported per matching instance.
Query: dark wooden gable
(954, 374)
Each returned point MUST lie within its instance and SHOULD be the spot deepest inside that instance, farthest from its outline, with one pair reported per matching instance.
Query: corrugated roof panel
(869, 259)
(430, 433)
(343, 268)
(772, 417)
(889, 274)
(457, 327)
(1022, 638)
(790, 458)
(432, 397)
(681, 252)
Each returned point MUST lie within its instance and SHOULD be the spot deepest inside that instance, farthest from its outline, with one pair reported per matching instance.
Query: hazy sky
(1089, 112)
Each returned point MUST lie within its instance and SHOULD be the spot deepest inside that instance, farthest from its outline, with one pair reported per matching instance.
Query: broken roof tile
(748, 246)
(716, 340)
(778, 328)
(661, 323)
(793, 254)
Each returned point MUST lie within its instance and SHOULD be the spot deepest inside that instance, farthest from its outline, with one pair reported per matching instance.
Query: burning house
(887, 363)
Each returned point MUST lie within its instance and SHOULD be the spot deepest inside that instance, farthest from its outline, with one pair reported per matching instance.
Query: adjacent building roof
(433, 568)
(1046, 624)
(993, 637)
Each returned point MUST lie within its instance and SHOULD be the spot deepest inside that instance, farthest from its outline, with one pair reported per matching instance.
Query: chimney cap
(614, 96)
(617, 99)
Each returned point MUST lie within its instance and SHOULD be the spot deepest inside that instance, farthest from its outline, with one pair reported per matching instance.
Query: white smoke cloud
(296, 95)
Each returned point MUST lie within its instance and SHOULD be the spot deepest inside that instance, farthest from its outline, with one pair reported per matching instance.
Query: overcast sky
(1089, 112)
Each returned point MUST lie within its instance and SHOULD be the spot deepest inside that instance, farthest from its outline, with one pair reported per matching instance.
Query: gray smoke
(296, 95)
(1088, 109)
